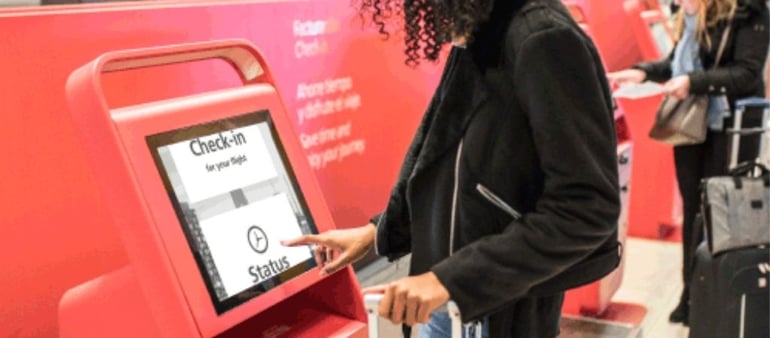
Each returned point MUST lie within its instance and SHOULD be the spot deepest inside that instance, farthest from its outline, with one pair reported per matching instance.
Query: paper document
(637, 91)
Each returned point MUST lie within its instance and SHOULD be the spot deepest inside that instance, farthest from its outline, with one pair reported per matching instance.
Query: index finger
(375, 289)
(304, 240)
(386, 304)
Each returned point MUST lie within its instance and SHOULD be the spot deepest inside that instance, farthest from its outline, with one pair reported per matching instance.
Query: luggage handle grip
(746, 167)
(372, 304)
(753, 102)
(747, 131)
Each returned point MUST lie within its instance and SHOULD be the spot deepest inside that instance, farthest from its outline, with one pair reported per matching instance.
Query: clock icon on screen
(257, 239)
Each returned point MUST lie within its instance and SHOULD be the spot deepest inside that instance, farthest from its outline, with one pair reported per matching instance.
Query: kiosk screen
(236, 197)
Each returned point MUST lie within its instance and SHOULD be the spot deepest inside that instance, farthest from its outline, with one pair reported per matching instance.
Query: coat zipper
(476, 326)
(497, 201)
(454, 199)
(376, 245)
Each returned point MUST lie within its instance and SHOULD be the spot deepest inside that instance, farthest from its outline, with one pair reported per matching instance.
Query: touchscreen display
(236, 198)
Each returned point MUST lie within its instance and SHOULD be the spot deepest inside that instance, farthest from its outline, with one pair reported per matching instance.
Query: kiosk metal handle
(459, 330)
(241, 54)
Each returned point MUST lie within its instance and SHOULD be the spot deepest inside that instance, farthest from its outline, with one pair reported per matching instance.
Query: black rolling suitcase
(729, 294)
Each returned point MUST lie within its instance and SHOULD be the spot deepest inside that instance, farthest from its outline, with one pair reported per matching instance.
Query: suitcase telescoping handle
(737, 131)
(372, 304)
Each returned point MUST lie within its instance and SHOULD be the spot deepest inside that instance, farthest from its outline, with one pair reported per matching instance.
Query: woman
(509, 192)
(689, 69)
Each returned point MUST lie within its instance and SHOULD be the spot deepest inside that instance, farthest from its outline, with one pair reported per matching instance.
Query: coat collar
(464, 86)
(463, 92)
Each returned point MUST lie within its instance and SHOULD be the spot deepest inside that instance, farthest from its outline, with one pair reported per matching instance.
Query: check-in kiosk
(579, 15)
(651, 29)
(656, 210)
(202, 189)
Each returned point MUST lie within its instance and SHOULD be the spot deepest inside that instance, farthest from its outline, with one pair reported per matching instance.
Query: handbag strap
(725, 36)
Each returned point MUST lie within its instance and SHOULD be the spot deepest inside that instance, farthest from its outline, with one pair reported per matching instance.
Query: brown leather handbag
(682, 122)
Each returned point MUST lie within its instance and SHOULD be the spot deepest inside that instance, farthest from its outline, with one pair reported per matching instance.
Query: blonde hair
(710, 13)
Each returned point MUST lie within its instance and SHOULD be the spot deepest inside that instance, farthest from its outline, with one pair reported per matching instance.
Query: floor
(651, 279)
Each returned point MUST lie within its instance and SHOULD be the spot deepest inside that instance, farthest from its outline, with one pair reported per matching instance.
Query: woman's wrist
(370, 230)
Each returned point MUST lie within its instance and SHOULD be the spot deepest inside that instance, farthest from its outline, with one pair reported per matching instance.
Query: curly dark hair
(428, 24)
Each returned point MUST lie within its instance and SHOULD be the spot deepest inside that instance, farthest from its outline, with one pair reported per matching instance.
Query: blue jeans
(440, 326)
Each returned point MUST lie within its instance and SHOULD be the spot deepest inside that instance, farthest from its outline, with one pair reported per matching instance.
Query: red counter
(203, 189)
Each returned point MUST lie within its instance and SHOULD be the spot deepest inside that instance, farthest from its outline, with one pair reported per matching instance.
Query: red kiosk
(651, 29)
(656, 210)
(202, 189)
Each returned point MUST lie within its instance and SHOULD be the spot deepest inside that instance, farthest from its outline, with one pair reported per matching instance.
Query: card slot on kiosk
(202, 189)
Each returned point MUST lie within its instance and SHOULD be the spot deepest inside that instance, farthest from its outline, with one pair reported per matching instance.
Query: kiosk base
(324, 310)
(656, 207)
(113, 305)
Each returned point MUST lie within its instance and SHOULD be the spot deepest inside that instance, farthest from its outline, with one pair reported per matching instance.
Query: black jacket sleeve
(560, 87)
(376, 218)
(741, 75)
(657, 71)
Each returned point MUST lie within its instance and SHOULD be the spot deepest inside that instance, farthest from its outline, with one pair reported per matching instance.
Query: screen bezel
(159, 140)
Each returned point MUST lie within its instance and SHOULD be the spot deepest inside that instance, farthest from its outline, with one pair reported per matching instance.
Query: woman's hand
(336, 249)
(411, 300)
(628, 76)
(678, 87)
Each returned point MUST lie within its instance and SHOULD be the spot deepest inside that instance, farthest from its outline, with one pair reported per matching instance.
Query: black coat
(739, 73)
(525, 111)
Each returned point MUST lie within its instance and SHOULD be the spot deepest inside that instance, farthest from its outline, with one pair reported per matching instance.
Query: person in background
(509, 192)
(689, 70)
